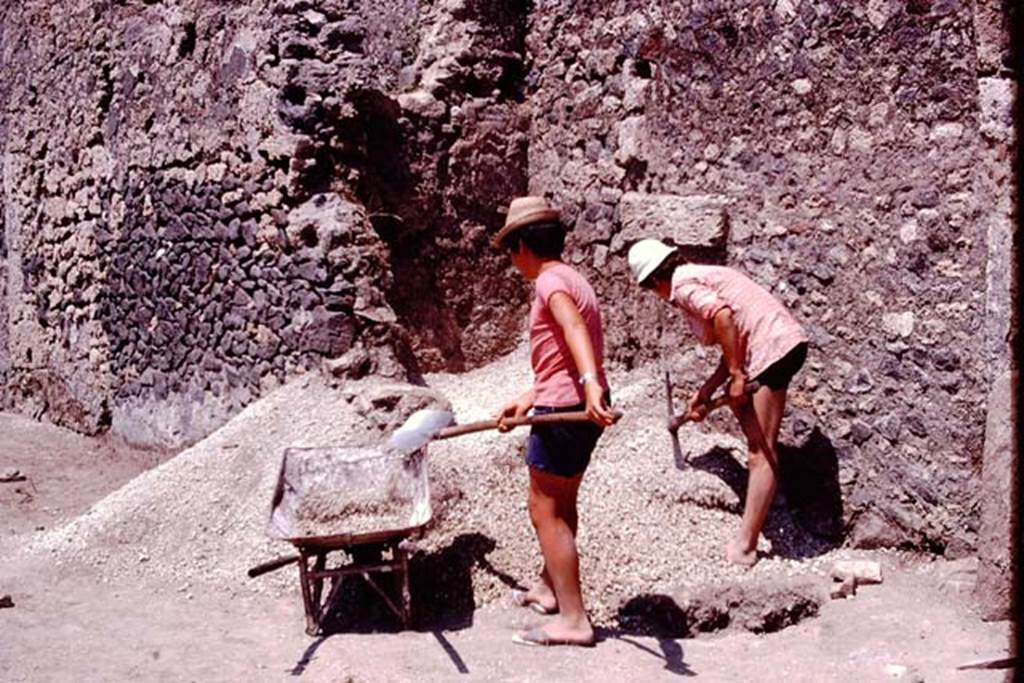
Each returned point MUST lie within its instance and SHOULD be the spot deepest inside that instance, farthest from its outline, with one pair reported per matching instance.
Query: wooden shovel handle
(484, 425)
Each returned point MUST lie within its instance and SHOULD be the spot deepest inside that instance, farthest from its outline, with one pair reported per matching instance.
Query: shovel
(426, 425)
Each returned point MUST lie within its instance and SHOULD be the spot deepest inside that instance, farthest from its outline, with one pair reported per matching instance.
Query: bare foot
(737, 553)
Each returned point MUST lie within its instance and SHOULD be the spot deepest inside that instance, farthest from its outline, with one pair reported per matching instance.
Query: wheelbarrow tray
(336, 541)
(335, 496)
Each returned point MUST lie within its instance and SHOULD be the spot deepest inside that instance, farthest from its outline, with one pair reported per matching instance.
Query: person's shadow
(806, 519)
(658, 617)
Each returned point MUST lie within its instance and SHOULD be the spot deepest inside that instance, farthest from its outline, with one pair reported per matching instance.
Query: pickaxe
(677, 421)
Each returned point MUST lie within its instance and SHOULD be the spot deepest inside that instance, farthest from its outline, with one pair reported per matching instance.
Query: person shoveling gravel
(566, 353)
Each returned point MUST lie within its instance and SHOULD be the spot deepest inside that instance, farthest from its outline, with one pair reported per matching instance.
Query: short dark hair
(546, 240)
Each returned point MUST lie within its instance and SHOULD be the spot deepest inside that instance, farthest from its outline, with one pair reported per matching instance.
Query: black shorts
(780, 373)
(562, 449)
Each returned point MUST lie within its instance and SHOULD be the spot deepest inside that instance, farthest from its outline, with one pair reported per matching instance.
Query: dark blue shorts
(561, 449)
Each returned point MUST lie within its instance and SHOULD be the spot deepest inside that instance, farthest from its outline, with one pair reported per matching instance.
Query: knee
(540, 511)
(760, 459)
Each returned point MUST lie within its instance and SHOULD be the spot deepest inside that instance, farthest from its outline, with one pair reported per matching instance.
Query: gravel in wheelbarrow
(349, 495)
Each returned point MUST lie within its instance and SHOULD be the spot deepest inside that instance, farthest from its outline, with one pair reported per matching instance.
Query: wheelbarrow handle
(549, 418)
(270, 566)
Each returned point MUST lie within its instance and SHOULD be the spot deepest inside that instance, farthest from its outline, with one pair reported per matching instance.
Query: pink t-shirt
(768, 329)
(556, 381)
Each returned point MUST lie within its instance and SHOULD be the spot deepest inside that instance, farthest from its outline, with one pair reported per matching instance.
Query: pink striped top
(767, 328)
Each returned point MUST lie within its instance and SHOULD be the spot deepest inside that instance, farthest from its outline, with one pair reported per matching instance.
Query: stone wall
(842, 140)
(201, 198)
(5, 361)
(999, 67)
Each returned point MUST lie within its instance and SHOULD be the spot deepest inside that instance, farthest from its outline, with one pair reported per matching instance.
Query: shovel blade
(420, 428)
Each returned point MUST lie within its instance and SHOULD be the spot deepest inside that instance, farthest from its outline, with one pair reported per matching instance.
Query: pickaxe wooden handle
(676, 421)
(677, 451)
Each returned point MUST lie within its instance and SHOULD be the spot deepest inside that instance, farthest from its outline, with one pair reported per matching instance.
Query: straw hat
(524, 211)
(645, 256)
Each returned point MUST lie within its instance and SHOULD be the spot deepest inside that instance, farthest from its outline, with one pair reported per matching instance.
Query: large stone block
(996, 97)
(992, 29)
(699, 220)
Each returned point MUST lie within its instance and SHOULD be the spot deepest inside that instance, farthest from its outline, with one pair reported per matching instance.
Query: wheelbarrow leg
(403, 559)
(318, 583)
(312, 609)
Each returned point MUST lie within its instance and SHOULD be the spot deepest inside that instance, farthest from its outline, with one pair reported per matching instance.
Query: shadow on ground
(669, 649)
(440, 583)
(806, 519)
(761, 606)
(441, 586)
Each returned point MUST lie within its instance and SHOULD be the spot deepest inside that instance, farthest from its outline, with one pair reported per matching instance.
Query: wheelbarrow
(367, 503)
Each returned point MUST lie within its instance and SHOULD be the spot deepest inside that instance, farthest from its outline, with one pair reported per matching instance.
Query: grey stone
(860, 431)
(916, 425)
(996, 97)
(889, 426)
(693, 220)
(861, 382)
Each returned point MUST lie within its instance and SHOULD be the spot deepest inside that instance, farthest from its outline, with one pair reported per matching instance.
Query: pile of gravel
(646, 527)
(198, 521)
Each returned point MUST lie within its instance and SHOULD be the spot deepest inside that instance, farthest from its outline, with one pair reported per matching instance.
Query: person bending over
(760, 340)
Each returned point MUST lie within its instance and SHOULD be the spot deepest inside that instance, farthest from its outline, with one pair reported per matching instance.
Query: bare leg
(543, 591)
(552, 505)
(760, 420)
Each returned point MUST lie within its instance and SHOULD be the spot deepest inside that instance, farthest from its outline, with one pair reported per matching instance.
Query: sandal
(538, 636)
(519, 599)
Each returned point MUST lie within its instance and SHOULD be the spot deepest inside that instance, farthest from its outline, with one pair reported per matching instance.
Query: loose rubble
(646, 527)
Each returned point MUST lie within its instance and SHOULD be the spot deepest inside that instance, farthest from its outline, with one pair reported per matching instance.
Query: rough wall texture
(843, 139)
(200, 198)
(999, 68)
(5, 84)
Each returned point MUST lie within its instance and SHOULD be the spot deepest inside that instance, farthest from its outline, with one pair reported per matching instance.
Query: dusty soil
(64, 472)
(124, 624)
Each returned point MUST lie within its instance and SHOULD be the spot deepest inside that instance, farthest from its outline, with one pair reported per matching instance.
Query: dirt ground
(66, 624)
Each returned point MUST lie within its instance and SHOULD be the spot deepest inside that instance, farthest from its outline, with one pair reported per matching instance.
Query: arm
(716, 380)
(728, 336)
(577, 338)
(697, 408)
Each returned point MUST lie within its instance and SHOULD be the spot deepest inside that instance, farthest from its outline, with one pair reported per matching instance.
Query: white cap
(645, 256)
